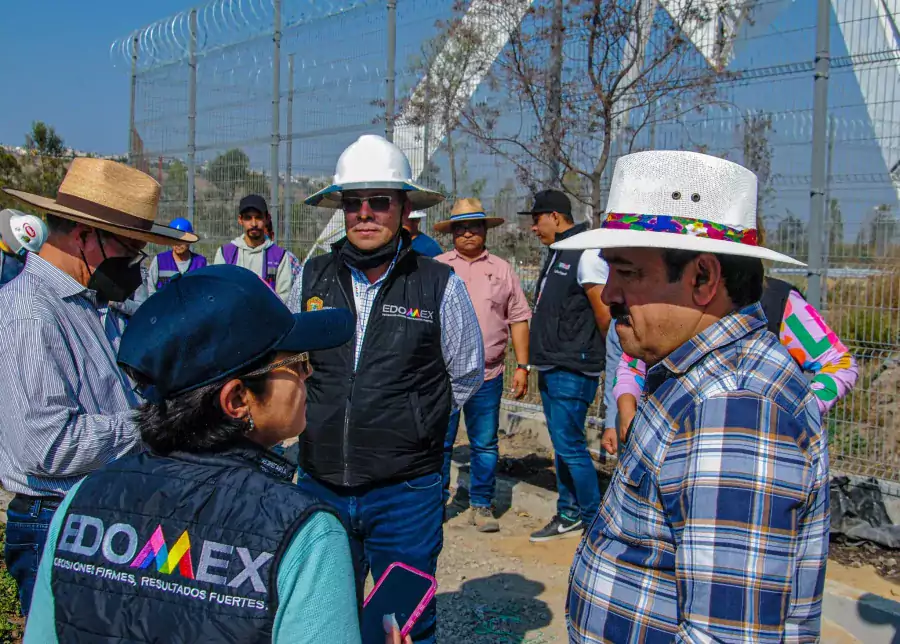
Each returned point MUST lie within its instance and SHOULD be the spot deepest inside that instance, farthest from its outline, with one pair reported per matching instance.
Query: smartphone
(402, 591)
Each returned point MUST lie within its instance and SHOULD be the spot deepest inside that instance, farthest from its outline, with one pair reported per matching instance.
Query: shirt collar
(63, 284)
(485, 255)
(718, 335)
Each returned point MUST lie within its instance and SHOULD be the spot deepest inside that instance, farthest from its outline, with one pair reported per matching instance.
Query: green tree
(175, 188)
(883, 231)
(47, 153)
(10, 176)
(835, 228)
(229, 170)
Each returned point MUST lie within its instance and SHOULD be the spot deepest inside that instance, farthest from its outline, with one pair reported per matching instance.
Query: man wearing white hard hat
(20, 234)
(421, 243)
(714, 527)
(379, 406)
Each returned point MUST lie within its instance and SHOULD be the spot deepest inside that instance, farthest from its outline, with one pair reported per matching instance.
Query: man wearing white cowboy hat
(66, 405)
(715, 524)
(378, 407)
(502, 312)
(20, 234)
(421, 243)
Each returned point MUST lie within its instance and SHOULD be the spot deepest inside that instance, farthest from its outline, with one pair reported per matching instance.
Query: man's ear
(233, 399)
(706, 278)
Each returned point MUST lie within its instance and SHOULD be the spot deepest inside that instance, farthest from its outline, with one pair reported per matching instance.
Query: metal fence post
(131, 109)
(276, 113)
(391, 72)
(819, 151)
(192, 120)
(288, 154)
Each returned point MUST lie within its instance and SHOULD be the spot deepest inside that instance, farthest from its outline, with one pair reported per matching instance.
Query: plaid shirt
(715, 524)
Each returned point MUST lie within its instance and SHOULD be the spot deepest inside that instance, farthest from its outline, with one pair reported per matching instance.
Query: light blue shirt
(316, 588)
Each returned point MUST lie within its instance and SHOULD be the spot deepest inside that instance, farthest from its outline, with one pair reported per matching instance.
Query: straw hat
(468, 209)
(679, 200)
(374, 162)
(110, 196)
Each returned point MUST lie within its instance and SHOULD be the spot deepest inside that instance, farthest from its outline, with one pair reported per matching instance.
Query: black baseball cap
(549, 201)
(253, 202)
(215, 322)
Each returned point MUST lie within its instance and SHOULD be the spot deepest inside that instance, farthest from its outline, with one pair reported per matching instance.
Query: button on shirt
(498, 300)
(65, 408)
(715, 524)
(461, 343)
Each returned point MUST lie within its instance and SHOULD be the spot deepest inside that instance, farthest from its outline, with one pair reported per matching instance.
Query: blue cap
(216, 322)
(182, 224)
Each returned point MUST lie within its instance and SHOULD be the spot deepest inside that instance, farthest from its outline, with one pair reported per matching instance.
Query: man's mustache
(619, 313)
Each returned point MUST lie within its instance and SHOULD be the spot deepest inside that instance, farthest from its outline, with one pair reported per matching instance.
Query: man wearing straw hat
(66, 406)
(715, 524)
(421, 243)
(502, 312)
(379, 406)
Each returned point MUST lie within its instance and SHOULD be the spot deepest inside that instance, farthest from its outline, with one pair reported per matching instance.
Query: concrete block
(869, 618)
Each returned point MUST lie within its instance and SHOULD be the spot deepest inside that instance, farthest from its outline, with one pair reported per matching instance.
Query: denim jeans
(26, 534)
(482, 422)
(397, 522)
(566, 396)
(613, 355)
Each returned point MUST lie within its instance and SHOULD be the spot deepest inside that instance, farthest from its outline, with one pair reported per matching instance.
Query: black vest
(564, 330)
(384, 421)
(774, 301)
(183, 548)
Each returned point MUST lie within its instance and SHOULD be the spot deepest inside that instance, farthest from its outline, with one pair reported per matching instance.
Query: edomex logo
(118, 544)
(411, 313)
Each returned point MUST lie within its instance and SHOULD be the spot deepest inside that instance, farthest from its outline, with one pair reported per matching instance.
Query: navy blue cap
(216, 322)
(549, 201)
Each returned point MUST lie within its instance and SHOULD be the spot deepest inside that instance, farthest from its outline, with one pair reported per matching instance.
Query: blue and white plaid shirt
(715, 524)
(461, 342)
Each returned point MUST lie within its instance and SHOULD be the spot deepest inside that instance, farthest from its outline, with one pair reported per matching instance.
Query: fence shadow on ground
(501, 608)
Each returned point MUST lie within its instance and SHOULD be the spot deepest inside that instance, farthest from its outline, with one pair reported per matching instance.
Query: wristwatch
(524, 367)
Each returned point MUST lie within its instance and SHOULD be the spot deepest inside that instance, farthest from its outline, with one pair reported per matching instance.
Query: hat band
(468, 215)
(111, 215)
(680, 226)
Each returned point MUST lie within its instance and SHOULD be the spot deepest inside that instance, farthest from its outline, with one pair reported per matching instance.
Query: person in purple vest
(181, 259)
(255, 251)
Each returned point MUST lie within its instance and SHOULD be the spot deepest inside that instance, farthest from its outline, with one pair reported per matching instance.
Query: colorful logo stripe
(166, 562)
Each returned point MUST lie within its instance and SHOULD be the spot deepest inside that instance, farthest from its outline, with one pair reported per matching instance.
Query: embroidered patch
(314, 304)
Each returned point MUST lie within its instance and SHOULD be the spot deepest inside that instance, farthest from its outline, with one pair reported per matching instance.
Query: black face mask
(365, 260)
(116, 278)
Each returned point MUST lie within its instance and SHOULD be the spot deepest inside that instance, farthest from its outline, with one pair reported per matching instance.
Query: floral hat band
(680, 226)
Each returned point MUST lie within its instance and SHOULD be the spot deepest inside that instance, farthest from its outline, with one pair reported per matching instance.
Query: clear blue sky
(55, 67)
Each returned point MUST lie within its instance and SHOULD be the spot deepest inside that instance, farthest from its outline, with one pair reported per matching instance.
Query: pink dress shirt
(498, 299)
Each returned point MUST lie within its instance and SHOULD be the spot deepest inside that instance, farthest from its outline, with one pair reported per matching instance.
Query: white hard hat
(373, 162)
(22, 232)
(418, 214)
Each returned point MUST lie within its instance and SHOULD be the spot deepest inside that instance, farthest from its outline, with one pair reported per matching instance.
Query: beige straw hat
(468, 209)
(110, 196)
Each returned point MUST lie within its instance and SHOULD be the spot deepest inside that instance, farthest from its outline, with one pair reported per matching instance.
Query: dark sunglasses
(378, 203)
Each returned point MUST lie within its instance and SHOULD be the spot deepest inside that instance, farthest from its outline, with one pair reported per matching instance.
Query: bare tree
(626, 66)
(758, 153)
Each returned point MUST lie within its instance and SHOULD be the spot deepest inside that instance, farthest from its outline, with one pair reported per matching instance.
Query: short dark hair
(567, 216)
(743, 276)
(193, 421)
(60, 225)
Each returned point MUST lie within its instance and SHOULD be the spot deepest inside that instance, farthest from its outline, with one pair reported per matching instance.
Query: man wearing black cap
(568, 350)
(255, 251)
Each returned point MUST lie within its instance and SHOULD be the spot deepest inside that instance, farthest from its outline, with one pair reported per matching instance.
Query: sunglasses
(135, 255)
(301, 360)
(378, 203)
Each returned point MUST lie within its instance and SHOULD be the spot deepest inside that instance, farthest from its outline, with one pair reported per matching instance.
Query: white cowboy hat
(679, 200)
(418, 214)
(111, 196)
(374, 162)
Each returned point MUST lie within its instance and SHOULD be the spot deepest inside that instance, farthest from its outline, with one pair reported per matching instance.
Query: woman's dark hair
(743, 276)
(193, 421)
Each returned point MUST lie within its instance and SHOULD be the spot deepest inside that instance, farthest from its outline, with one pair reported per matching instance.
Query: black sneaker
(558, 528)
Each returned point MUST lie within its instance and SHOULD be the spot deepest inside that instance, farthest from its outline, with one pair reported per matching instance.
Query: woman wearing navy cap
(204, 538)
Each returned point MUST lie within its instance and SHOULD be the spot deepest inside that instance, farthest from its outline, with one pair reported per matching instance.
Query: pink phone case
(406, 628)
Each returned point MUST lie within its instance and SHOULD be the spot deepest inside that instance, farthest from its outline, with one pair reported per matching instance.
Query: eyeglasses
(137, 256)
(378, 203)
(301, 358)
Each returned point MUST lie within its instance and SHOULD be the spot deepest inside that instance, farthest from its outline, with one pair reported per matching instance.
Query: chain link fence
(213, 122)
